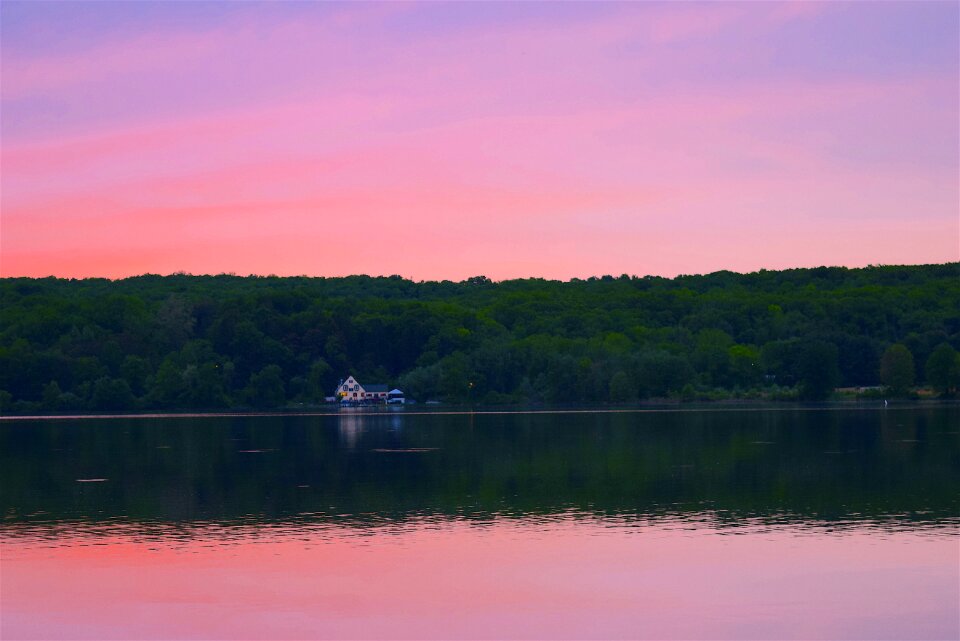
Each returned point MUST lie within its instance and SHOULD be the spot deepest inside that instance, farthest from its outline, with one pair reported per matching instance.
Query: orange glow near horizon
(442, 141)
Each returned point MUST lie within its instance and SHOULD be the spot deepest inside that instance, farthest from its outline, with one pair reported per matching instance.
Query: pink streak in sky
(444, 141)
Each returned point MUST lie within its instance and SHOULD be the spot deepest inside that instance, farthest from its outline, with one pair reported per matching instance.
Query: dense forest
(207, 342)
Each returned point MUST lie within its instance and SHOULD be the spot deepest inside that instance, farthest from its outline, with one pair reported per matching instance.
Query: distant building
(376, 390)
(351, 390)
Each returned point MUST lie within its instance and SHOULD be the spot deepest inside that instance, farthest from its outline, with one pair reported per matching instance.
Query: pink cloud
(172, 50)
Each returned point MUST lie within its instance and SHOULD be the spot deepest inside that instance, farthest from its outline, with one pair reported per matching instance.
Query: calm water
(838, 524)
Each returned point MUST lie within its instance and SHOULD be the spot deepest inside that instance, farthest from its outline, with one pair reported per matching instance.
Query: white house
(352, 390)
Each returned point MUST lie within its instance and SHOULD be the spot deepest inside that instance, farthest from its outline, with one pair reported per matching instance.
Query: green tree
(744, 364)
(173, 322)
(712, 355)
(69, 401)
(897, 369)
(943, 369)
(659, 373)
(420, 383)
(457, 380)
(112, 394)
(622, 388)
(688, 393)
(168, 384)
(818, 370)
(319, 372)
(780, 360)
(265, 389)
(204, 385)
(136, 370)
(50, 400)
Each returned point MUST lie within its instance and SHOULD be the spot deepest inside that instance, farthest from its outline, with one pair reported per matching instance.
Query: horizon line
(483, 277)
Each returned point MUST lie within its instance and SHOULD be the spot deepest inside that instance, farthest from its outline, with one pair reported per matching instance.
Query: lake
(787, 523)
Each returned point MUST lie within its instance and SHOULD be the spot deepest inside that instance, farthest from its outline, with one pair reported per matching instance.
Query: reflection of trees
(835, 465)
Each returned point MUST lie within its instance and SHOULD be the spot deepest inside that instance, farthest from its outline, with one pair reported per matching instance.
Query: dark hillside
(181, 341)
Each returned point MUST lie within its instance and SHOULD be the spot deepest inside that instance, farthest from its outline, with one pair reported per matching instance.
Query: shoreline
(457, 410)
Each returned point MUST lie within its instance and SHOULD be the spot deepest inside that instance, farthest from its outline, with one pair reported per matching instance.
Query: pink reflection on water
(562, 578)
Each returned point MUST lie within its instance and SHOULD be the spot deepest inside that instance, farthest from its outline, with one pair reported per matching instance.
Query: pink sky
(449, 140)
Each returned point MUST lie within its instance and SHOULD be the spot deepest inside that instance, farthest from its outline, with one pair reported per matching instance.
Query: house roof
(375, 388)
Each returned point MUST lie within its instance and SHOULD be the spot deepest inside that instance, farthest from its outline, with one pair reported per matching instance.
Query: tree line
(215, 342)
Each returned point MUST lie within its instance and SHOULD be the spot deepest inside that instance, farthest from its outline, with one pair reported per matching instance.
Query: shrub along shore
(182, 342)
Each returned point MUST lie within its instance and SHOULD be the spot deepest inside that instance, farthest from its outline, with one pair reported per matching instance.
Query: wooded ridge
(208, 342)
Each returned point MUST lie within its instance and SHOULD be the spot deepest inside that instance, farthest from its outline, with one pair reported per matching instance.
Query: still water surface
(780, 524)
